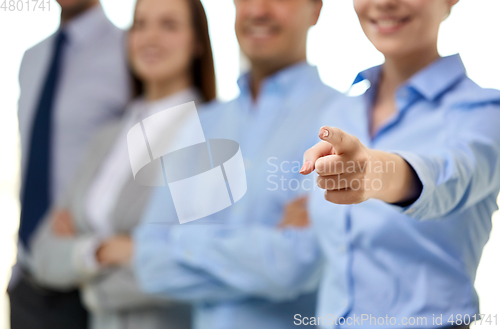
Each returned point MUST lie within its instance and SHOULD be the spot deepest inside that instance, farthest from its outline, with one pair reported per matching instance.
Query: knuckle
(362, 159)
(329, 196)
(320, 166)
(330, 183)
(336, 131)
(319, 182)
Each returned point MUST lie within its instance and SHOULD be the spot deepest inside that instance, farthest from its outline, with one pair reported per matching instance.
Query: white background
(336, 45)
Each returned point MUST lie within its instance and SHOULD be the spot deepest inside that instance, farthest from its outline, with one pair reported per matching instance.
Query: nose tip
(386, 3)
(259, 8)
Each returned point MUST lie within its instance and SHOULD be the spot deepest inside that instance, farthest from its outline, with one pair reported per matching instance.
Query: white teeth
(260, 32)
(150, 53)
(388, 23)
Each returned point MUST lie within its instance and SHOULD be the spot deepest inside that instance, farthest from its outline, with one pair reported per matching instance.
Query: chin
(259, 57)
(259, 52)
(391, 48)
(69, 4)
(146, 76)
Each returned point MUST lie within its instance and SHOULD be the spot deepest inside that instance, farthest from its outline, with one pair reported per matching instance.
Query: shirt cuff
(84, 255)
(420, 209)
(90, 298)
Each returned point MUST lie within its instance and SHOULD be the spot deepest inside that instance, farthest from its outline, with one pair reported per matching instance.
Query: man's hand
(115, 251)
(352, 173)
(62, 223)
(295, 214)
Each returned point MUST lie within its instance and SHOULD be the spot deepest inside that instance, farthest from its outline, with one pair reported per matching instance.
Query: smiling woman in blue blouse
(411, 171)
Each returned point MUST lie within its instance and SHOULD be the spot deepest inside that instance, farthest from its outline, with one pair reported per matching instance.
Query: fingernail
(305, 167)
(325, 133)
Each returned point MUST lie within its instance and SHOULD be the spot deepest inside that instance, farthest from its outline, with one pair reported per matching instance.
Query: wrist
(397, 180)
(84, 255)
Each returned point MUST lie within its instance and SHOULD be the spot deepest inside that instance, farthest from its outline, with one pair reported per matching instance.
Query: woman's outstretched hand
(351, 173)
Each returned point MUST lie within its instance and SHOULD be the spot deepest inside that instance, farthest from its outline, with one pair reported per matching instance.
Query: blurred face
(161, 41)
(70, 4)
(274, 30)
(402, 27)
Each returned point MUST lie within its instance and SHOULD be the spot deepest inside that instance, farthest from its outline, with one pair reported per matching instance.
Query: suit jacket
(111, 295)
(94, 89)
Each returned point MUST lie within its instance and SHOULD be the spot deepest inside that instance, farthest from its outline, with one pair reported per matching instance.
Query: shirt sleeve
(206, 260)
(262, 261)
(465, 171)
(158, 272)
(117, 290)
(62, 262)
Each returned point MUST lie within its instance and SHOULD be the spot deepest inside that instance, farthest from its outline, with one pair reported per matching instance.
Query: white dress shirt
(93, 90)
(115, 170)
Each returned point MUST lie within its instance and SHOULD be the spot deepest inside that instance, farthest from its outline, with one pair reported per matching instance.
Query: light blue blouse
(419, 261)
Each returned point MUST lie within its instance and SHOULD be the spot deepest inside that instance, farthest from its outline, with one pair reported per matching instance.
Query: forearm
(399, 184)
(159, 273)
(59, 262)
(262, 261)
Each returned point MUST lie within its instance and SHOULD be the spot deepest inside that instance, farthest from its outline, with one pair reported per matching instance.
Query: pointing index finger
(341, 141)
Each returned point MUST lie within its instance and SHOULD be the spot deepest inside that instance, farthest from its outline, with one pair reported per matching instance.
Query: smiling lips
(388, 25)
(151, 54)
(260, 32)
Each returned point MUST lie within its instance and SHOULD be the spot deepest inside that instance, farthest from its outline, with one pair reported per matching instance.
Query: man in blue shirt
(242, 270)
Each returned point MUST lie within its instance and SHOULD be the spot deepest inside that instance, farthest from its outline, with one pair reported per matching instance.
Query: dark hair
(202, 67)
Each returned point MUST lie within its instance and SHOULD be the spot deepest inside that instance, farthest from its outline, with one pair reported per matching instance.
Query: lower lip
(151, 60)
(260, 37)
(390, 29)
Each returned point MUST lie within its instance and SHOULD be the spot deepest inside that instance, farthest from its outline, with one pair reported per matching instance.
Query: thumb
(341, 141)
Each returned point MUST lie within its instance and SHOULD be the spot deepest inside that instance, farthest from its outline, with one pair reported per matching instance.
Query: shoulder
(468, 95)
(320, 91)
(34, 61)
(113, 39)
(215, 108)
(33, 54)
(112, 32)
(42, 45)
(341, 102)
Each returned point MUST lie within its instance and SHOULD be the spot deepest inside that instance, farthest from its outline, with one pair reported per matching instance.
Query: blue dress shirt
(419, 261)
(236, 266)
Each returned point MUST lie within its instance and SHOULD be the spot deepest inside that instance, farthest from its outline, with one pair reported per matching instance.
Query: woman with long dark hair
(85, 241)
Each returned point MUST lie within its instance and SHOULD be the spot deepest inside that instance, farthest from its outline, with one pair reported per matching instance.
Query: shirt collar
(86, 26)
(438, 77)
(282, 80)
(430, 82)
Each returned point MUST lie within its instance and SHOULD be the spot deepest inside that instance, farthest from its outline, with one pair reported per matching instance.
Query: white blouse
(115, 170)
